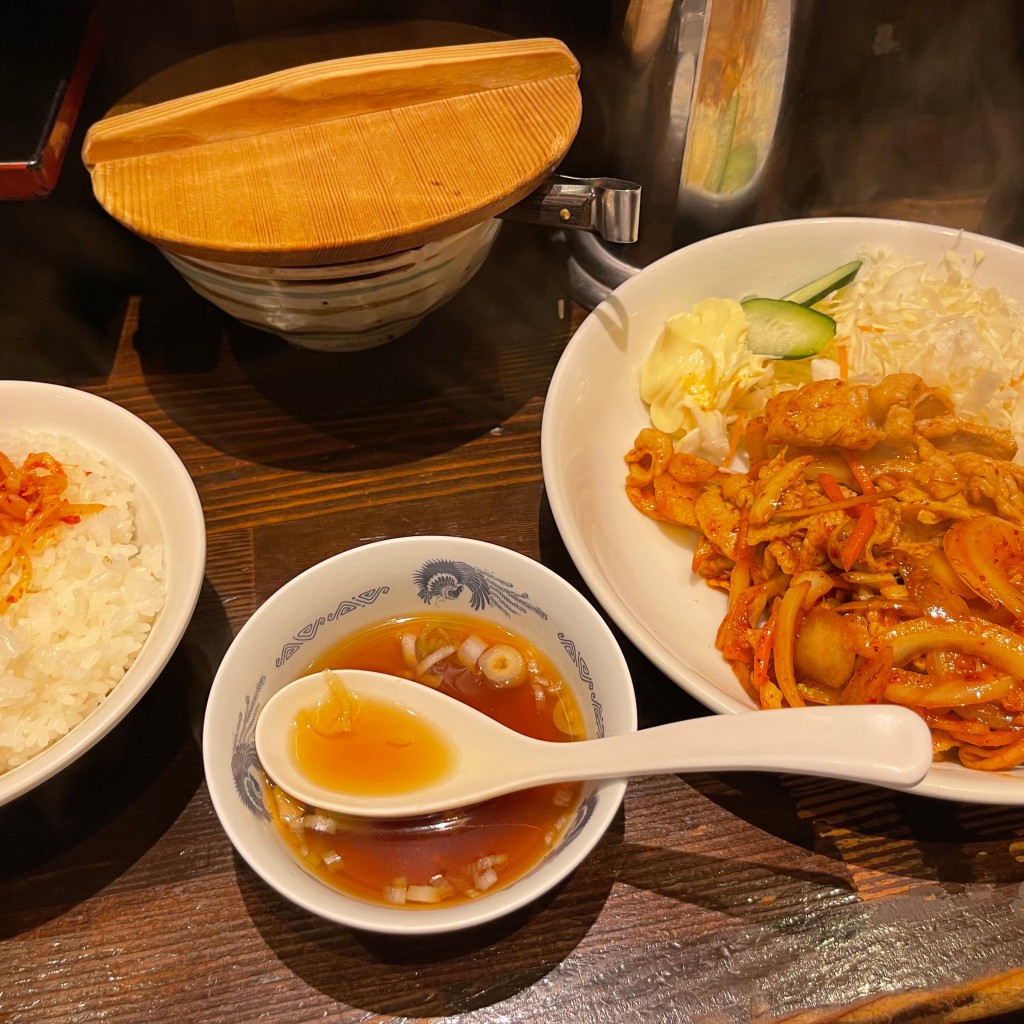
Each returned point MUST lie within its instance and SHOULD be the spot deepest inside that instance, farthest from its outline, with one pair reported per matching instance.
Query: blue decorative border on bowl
(310, 630)
(584, 673)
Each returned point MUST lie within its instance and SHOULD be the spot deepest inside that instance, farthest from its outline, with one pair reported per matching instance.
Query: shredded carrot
(757, 445)
(744, 552)
(843, 359)
(734, 632)
(817, 612)
(853, 504)
(739, 582)
(859, 471)
(830, 486)
(763, 647)
(857, 541)
(738, 430)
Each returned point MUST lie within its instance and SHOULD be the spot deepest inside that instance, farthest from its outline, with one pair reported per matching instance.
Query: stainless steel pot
(691, 96)
(734, 112)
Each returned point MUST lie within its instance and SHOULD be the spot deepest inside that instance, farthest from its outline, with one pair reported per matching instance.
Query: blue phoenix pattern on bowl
(437, 580)
(442, 579)
(245, 766)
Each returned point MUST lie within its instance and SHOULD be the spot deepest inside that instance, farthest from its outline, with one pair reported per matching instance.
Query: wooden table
(714, 899)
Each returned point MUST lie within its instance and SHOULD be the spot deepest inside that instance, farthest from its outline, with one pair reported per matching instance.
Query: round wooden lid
(342, 159)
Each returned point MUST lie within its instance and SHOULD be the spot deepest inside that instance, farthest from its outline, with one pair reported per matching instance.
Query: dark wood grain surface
(713, 899)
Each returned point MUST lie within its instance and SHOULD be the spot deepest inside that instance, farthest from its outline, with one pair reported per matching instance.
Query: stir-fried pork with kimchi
(874, 552)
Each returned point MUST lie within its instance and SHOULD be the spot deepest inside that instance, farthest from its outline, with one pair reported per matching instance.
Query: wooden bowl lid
(342, 159)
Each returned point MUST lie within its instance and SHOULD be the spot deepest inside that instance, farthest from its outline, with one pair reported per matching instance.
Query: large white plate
(639, 570)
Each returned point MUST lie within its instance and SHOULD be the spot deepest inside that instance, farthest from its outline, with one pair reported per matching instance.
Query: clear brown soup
(441, 860)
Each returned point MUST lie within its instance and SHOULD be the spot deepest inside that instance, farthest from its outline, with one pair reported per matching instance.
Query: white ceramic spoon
(882, 745)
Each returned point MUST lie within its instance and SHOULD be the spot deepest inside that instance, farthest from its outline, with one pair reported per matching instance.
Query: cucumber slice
(831, 282)
(786, 329)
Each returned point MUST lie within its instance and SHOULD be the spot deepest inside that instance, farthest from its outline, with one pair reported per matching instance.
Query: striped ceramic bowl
(343, 307)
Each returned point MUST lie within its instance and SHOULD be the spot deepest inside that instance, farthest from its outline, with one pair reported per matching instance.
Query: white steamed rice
(94, 595)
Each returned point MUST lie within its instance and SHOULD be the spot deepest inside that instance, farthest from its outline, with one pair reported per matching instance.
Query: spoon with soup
(373, 745)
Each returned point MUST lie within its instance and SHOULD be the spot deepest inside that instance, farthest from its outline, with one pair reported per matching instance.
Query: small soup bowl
(360, 588)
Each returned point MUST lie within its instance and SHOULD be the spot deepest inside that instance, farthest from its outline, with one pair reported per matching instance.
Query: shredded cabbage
(901, 315)
(897, 316)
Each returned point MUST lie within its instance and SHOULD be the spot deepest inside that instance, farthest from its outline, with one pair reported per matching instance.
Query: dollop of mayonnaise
(698, 373)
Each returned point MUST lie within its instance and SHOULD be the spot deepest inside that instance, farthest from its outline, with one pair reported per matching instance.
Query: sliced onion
(397, 891)
(990, 714)
(423, 894)
(424, 666)
(818, 585)
(942, 662)
(486, 879)
(947, 693)
(483, 870)
(562, 797)
(442, 885)
(503, 666)
(983, 550)
(333, 861)
(408, 642)
(932, 596)
(470, 651)
(332, 716)
(493, 860)
(993, 644)
(288, 810)
(540, 695)
(936, 562)
(320, 823)
(395, 894)
(817, 693)
(784, 646)
(1002, 760)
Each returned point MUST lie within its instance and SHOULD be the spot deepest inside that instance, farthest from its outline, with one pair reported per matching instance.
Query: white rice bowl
(94, 595)
(110, 596)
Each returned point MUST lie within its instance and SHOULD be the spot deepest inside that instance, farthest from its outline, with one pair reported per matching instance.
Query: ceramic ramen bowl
(357, 589)
(343, 307)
